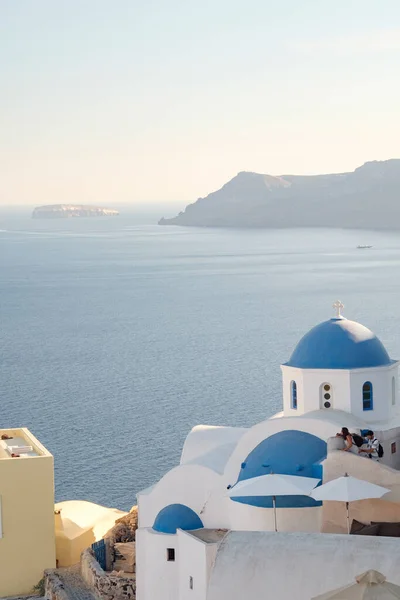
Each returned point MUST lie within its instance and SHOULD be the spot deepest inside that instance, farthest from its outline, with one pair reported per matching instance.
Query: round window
(327, 396)
(327, 404)
(327, 387)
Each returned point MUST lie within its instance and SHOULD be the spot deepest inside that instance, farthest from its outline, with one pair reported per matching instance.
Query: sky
(149, 101)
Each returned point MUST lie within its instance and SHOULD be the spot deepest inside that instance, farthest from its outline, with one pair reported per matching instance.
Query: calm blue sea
(117, 335)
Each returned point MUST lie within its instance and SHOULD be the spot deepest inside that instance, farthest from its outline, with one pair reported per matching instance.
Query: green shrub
(39, 588)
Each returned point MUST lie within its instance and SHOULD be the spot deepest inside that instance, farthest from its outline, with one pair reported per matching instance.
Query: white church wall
(156, 577)
(381, 380)
(204, 438)
(194, 486)
(339, 392)
(309, 389)
(290, 374)
(141, 564)
(254, 565)
(196, 559)
(185, 578)
(216, 512)
(345, 391)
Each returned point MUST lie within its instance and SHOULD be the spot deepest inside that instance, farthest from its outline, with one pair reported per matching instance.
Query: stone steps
(67, 584)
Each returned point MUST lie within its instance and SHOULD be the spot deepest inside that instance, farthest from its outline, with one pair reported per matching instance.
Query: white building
(192, 535)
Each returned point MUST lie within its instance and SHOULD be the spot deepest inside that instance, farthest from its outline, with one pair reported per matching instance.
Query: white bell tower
(341, 365)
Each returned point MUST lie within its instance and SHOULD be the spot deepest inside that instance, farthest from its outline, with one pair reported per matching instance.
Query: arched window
(293, 394)
(325, 396)
(393, 391)
(368, 400)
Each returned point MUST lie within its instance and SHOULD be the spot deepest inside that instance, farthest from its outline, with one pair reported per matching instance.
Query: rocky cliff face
(369, 197)
(64, 211)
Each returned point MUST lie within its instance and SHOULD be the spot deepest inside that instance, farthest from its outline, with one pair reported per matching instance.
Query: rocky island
(367, 198)
(65, 211)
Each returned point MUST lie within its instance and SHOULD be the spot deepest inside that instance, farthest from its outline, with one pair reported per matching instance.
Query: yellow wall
(78, 525)
(27, 545)
(385, 510)
(69, 550)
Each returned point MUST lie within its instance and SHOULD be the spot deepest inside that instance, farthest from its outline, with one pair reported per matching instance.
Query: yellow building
(78, 524)
(27, 540)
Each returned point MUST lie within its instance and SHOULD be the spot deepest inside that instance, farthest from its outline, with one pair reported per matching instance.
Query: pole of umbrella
(274, 505)
(348, 517)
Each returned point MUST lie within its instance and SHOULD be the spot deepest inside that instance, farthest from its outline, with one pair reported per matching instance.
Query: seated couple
(354, 442)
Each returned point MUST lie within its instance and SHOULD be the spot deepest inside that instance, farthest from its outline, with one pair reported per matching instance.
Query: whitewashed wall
(346, 391)
(203, 439)
(290, 374)
(195, 486)
(309, 383)
(381, 379)
(293, 565)
(196, 561)
(156, 577)
(159, 579)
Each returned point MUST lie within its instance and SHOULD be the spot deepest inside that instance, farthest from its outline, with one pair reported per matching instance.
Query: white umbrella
(371, 585)
(274, 485)
(348, 489)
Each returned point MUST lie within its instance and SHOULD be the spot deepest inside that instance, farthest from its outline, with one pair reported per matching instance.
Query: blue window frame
(367, 393)
(293, 394)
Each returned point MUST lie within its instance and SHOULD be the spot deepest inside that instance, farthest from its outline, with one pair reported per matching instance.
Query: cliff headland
(367, 198)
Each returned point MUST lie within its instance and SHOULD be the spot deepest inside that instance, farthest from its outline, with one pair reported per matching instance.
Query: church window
(293, 394)
(170, 554)
(393, 447)
(368, 401)
(393, 391)
(326, 395)
(191, 583)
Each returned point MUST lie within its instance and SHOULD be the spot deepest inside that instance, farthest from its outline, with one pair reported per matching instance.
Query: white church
(196, 542)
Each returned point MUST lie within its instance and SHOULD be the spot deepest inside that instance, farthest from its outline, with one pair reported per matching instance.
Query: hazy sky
(114, 101)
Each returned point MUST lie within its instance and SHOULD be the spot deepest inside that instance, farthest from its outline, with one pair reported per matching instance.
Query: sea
(117, 336)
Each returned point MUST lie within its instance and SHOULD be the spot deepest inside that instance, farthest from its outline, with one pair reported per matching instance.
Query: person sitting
(372, 449)
(348, 440)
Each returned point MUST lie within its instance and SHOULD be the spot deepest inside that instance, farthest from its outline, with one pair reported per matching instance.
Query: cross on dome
(338, 306)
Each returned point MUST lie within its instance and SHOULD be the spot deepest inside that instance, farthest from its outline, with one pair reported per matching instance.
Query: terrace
(20, 443)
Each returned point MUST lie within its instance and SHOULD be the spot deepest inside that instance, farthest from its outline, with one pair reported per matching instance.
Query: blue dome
(288, 452)
(339, 344)
(176, 516)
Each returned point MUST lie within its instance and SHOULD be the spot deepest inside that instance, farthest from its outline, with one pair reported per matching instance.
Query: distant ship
(363, 246)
